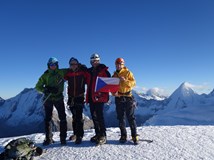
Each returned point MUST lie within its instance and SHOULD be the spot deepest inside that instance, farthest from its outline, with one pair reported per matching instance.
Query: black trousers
(125, 108)
(60, 107)
(76, 106)
(96, 110)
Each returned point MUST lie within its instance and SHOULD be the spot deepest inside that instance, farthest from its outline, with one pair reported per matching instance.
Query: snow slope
(169, 143)
(185, 107)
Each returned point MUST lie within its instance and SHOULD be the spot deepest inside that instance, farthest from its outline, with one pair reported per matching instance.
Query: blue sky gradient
(164, 42)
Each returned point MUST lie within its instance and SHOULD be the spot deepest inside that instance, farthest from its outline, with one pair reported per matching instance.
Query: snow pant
(76, 105)
(96, 110)
(60, 107)
(125, 107)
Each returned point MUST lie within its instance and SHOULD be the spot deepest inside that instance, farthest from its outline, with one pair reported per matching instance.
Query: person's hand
(114, 93)
(46, 91)
(53, 90)
(49, 90)
(122, 79)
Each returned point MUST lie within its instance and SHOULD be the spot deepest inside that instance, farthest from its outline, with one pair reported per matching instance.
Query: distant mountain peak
(182, 96)
(153, 92)
(1, 101)
(150, 94)
(186, 85)
(26, 90)
(212, 93)
(184, 90)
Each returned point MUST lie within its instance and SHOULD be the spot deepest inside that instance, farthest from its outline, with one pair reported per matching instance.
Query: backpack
(21, 149)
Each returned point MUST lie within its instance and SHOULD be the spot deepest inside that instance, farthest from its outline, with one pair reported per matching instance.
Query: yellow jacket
(127, 85)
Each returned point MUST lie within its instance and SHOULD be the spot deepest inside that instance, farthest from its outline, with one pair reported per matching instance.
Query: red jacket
(77, 81)
(102, 71)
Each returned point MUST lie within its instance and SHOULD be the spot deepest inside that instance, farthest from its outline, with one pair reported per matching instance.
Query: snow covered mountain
(183, 97)
(1, 101)
(185, 107)
(212, 93)
(20, 113)
(23, 114)
(153, 93)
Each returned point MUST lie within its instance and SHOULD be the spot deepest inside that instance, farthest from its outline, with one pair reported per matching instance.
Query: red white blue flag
(107, 84)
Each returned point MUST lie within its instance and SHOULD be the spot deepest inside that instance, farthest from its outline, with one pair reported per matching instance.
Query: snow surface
(169, 143)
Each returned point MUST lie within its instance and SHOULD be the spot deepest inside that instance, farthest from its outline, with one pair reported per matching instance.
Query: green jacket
(52, 78)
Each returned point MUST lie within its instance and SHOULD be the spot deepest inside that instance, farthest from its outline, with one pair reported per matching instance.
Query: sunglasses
(95, 61)
(73, 64)
(52, 64)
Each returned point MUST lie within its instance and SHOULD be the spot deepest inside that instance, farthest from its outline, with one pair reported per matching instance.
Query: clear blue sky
(164, 42)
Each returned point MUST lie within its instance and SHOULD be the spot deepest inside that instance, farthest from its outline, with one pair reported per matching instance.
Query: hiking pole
(46, 98)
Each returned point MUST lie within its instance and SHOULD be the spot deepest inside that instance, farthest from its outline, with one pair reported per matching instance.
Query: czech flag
(107, 84)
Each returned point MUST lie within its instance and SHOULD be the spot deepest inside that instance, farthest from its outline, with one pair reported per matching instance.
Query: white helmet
(95, 57)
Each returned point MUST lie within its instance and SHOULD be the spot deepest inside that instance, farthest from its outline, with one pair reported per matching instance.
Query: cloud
(152, 91)
(201, 88)
(156, 91)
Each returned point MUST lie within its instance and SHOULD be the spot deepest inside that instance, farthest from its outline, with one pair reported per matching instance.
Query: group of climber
(78, 76)
(51, 83)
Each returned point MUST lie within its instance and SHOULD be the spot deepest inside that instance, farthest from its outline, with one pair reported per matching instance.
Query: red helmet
(119, 61)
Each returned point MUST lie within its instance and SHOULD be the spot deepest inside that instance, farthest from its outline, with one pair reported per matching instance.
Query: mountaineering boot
(94, 139)
(101, 140)
(48, 133)
(47, 142)
(78, 140)
(135, 139)
(72, 137)
(123, 139)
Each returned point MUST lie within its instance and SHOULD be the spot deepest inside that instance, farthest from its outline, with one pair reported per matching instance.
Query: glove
(46, 91)
(49, 90)
(53, 90)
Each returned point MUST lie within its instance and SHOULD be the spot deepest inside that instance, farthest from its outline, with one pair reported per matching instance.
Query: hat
(95, 57)
(73, 59)
(52, 60)
(119, 61)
